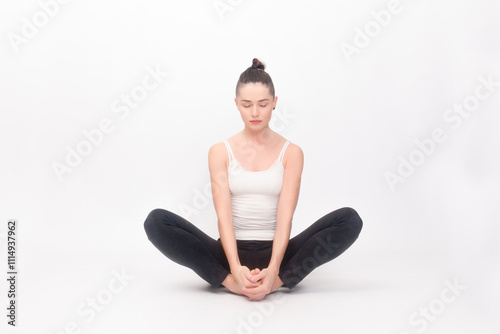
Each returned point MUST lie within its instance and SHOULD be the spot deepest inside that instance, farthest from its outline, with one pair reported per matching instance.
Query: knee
(153, 218)
(352, 218)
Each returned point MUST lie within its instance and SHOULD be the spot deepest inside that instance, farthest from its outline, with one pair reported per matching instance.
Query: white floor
(362, 291)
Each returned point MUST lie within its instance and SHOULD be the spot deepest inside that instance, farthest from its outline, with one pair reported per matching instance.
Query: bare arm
(217, 164)
(222, 202)
(287, 203)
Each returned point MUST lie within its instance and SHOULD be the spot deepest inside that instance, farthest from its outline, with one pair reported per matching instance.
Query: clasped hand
(256, 283)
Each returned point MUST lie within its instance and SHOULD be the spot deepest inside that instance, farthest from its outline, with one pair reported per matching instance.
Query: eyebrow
(257, 101)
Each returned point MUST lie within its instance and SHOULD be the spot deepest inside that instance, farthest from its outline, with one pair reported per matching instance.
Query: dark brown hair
(256, 73)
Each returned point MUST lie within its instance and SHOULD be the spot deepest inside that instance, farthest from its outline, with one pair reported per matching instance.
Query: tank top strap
(283, 150)
(229, 151)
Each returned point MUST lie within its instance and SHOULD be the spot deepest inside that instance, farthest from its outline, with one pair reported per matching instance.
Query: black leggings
(185, 244)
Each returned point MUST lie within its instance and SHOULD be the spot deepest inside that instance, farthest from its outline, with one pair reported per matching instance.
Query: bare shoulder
(293, 155)
(217, 154)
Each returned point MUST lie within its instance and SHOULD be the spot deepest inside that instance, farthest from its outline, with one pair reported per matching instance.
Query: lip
(255, 122)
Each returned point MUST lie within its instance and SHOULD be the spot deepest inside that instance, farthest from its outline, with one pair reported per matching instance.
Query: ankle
(228, 280)
(277, 283)
(230, 283)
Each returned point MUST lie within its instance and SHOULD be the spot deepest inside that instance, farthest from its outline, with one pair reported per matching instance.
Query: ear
(236, 101)
(275, 102)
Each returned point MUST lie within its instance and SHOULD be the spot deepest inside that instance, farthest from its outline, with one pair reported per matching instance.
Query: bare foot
(277, 284)
(232, 285)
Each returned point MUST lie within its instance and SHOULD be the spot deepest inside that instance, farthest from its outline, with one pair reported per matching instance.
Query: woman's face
(255, 103)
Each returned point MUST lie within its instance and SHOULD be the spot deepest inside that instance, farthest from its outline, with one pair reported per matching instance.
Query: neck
(262, 136)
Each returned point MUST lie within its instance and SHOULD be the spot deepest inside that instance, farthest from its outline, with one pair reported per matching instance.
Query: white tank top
(254, 197)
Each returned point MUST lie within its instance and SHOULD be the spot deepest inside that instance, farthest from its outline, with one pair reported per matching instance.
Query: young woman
(255, 177)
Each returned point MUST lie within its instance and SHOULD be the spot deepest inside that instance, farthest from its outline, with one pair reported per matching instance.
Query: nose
(255, 112)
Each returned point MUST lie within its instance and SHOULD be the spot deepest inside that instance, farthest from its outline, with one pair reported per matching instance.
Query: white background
(354, 117)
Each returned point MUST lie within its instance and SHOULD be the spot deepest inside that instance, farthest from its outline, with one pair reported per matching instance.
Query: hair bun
(255, 74)
(257, 64)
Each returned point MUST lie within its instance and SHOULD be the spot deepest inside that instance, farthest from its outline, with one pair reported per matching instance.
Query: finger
(251, 285)
(247, 274)
(249, 292)
(255, 296)
(253, 291)
(257, 277)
